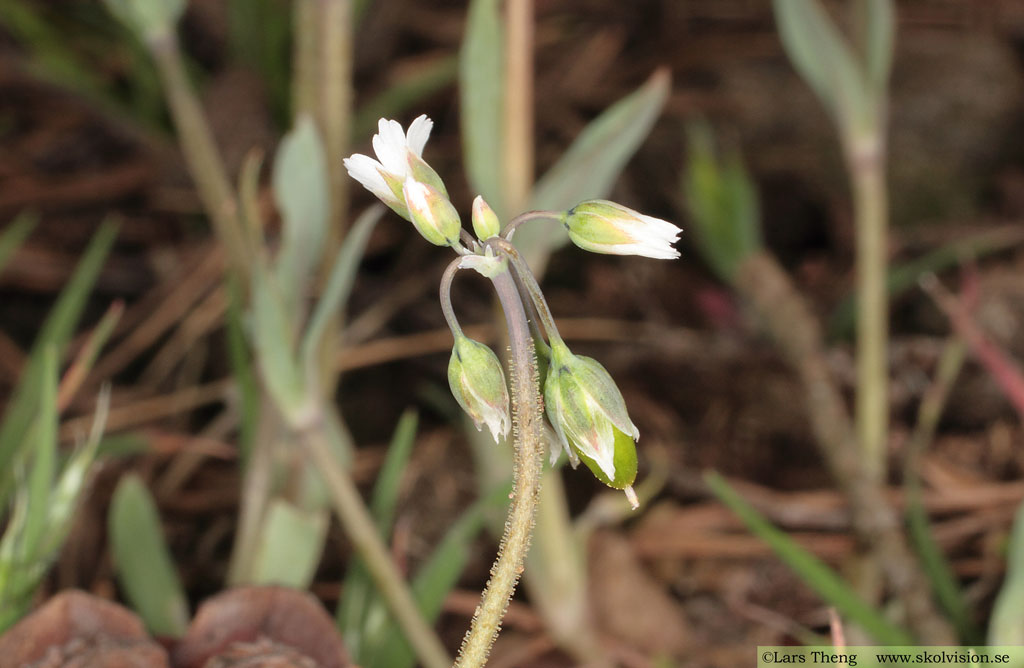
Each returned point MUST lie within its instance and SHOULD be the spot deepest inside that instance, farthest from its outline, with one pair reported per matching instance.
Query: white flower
(399, 154)
(601, 226)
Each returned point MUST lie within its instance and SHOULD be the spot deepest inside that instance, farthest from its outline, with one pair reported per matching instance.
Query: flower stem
(531, 286)
(446, 297)
(513, 225)
(529, 435)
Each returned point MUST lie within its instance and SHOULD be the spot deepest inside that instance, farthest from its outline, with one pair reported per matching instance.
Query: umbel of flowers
(581, 400)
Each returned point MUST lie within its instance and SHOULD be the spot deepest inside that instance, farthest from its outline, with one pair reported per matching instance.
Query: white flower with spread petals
(399, 156)
(601, 226)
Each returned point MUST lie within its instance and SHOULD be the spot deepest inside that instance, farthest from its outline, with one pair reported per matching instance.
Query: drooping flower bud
(485, 221)
(478, 384)
(601, 226)
(589, 415)
(433, 215)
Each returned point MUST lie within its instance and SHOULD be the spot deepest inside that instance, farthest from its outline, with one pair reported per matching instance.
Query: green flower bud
(432, 214)
(589, 415)
(485, 221)
(478, 384)
(601, 226)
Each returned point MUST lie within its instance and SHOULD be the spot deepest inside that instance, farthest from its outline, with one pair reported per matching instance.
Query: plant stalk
(528, 435)
(867, 175)
(200, 150)
(362, 531)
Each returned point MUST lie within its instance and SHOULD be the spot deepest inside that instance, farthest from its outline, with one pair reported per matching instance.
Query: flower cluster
(581, 400)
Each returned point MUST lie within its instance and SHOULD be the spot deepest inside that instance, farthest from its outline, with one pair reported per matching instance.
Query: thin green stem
(531, 286)
(529, 440)
(200, 150)
(446, 297)
(867, 173)
(361, 530)
(555, 216)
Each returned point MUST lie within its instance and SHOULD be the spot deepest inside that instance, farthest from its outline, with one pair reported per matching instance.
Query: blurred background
(85, 133)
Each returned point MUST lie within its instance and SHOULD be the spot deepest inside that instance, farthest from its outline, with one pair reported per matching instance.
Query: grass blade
(56, 333)
(15, 234)
(814, 572)
(481, 101)
(144, 566)
(358, 590)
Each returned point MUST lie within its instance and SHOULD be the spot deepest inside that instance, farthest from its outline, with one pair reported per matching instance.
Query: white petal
(366, 170)
(419, 132)
(390, 147)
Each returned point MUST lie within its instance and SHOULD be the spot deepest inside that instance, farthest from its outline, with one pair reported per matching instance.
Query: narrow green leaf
(358, 591)
(389, 481)
(15, 234)
(878, 28)
(143, 562)
(290, 545)
(56, 333)
(481, 101)
(814, 572)
(822, 56)
(339, 285)
(589, 168)
(723, 204)
(41, 451)
(300, 190)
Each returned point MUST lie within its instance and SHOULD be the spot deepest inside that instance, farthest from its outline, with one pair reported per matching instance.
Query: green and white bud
(478, 384)
(485, 221)
(433, 215)
(601, 226)
(589, 415)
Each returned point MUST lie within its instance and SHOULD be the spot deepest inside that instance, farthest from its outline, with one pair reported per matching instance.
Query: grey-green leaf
(822, 56)
(878, 28)
(148, 19)
(143, 562)
(300, 190)
(290, 545)
(481, 101)
(589, 168)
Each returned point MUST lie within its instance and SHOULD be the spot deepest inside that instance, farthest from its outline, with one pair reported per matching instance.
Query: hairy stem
(529, 437)
(362, 531)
